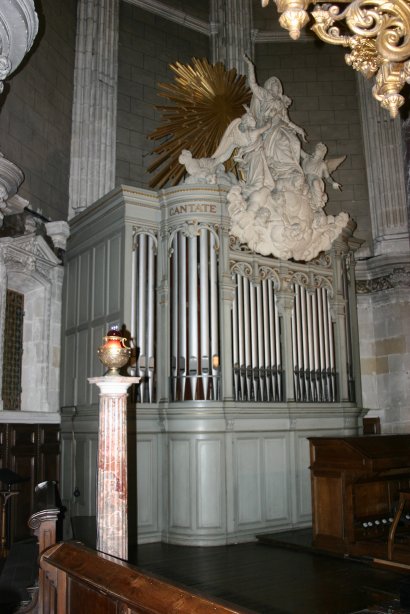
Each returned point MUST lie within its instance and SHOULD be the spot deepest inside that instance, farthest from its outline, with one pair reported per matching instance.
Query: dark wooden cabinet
(356, 483)
(33, 452)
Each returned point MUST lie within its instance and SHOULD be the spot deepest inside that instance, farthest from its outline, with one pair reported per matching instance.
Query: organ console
(356, 485)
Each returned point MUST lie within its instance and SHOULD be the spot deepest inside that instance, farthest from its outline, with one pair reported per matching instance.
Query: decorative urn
(114, 353)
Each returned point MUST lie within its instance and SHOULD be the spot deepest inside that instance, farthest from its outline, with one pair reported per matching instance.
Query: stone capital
(113, 385)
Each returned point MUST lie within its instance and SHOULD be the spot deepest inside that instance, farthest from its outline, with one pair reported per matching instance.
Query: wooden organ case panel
(355, 489)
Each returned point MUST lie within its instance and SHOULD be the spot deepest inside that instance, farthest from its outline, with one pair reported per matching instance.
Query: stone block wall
(35, 110)
(384, 326)
(147, 45)
(325, 103)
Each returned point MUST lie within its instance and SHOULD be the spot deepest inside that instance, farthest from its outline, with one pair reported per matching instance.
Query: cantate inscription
(192, 208)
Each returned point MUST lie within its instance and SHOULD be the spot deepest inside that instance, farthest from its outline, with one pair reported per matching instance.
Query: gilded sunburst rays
(205, 99)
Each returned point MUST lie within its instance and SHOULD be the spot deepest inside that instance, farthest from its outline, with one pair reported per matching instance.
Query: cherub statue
(201, 169)
(318, 170)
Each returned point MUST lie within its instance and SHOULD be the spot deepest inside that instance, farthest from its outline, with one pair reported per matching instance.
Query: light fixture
(376, 31)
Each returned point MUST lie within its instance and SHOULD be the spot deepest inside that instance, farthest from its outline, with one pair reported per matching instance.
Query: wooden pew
(80, 581)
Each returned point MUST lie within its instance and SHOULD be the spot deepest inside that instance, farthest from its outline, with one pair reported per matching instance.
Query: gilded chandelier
(376, 31)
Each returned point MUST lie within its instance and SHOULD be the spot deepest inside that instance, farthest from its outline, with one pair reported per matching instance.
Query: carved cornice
(18, 29)
(137, 231)
(192, 229)
(312, 281)
(27, 254)
(398, 278)
(167, 12)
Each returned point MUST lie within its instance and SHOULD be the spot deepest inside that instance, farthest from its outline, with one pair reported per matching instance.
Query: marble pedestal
(112, 486)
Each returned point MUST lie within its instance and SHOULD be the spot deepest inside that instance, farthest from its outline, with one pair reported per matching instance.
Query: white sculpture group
(276, 206)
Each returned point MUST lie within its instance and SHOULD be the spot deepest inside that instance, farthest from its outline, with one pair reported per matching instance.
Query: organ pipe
(193, 313)
(266, 338)
(142, 311)
(204, 310)
(214, 317)
(241, 335)
(261, 361)
(195, 320)
(142, 328)
(151, 318)
(175, 319)
(182, 357)
(247, 334)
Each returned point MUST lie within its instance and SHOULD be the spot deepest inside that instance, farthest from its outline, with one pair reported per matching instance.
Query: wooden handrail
(84, 580)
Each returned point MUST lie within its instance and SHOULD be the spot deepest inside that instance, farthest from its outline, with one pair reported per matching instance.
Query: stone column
(385, 174)
(383, 280)
(92, 172)
(231, 32)
(112, 484)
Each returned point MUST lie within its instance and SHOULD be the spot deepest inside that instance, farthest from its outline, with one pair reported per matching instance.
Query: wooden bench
(80, 580)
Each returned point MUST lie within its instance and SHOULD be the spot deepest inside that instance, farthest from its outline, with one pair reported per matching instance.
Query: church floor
(275, 580)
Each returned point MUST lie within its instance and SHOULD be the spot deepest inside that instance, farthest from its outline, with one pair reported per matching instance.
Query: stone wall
(325, 103)
(35, 111)
(147, 45)
(385, 353)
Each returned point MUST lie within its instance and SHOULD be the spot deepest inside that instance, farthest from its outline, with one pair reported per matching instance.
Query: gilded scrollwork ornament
(377, 32)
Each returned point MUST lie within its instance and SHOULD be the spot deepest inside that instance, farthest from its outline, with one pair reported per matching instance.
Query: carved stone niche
(18, 29)
(29, 266)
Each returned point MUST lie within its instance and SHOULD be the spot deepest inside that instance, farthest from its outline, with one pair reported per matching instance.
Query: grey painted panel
(71, 293)
(180, 491)
(114, 275)
(69, 396)
(96, 368)
(209, 480)
(303, 492)
(147, 482)
(98, 288)
(83, 288)
(82, 366)
(276, 475)
(249, 504)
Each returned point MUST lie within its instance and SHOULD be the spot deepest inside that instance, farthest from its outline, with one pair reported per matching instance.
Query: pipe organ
(142, 325)
(194, 316)
(241, 358)
(256, 354)
(313, 357)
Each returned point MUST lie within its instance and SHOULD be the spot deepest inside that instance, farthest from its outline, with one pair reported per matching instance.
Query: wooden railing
(79, 581)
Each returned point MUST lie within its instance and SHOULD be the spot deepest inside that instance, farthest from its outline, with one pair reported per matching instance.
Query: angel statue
(318, 170)
(243, 135)
(281, 144)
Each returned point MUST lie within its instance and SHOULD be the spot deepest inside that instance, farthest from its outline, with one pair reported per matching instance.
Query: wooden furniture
(80, 580)
(22, 562)
(32, 451)
(356, 483)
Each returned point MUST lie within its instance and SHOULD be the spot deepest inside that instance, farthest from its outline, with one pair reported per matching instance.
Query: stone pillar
(231, 32)
(92, 172)
(385, 174)
(112, 484)
(383, 280)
